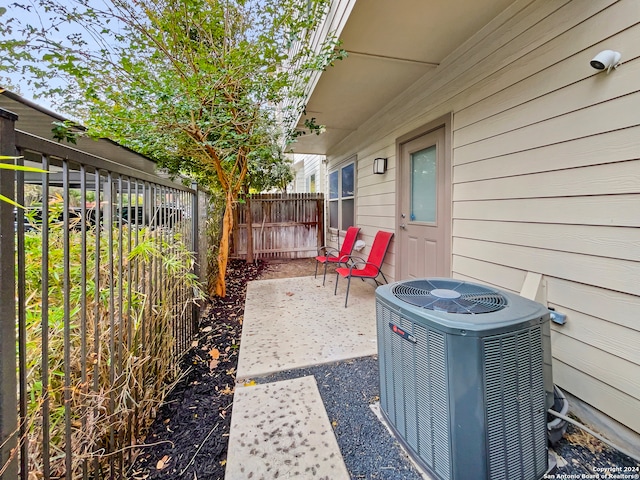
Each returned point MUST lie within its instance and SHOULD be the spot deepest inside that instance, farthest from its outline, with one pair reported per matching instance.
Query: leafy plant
(65, 131)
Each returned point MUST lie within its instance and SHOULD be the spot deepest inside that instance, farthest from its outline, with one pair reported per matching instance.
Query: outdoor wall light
(379, 165)
(606, 60)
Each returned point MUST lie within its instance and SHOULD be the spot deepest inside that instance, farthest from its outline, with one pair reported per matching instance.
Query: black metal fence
(98, 300)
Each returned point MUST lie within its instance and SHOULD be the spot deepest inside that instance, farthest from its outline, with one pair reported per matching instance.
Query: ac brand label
(399, 331)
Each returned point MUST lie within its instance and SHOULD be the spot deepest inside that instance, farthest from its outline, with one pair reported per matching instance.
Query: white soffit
(391, 45)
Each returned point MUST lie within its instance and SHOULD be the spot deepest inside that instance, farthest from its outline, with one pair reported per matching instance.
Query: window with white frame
(342, 197)
(311, 183)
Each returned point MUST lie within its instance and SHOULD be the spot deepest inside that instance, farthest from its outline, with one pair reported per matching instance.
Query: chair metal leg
(325, 273)
(347, 297)
(335, 290)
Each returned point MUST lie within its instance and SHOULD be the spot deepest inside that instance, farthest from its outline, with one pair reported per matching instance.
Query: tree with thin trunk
(201, 86)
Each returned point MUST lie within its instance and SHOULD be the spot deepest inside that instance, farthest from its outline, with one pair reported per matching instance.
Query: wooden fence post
(320, 213)
(8, 378)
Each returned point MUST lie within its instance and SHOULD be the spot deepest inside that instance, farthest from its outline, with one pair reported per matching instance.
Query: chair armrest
(328, 251)
(364, 264)
(359, 263)
(353, 261)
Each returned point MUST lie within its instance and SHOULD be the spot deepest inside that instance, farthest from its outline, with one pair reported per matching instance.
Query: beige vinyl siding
(549, 182)
(546, 178)
(376, 208)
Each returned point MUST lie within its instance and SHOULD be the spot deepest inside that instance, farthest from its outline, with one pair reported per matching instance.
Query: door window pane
(423, 185)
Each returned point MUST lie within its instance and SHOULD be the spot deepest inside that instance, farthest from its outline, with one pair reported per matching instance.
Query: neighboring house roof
(36, 120)
(34, 129)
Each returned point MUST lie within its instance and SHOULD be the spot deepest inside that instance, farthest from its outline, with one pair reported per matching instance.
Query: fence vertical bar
(8, 403)
(136, 351)
(66, 281)
(83, 298)
(96, 296)
(108, 225)
(46, 464)
(129, 344)
(22, 326)
(142, 268)
(195, 247)
(120, 319)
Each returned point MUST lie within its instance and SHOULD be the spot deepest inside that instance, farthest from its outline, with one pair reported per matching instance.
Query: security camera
(606, 60)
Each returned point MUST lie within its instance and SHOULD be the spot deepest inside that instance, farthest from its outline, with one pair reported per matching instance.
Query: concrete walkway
(296, 322)
(281, 429)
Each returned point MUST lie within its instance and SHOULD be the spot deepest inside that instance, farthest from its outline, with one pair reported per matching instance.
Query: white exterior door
(424, 217)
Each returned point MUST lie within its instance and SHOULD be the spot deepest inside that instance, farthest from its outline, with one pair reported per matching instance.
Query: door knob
(403, 226)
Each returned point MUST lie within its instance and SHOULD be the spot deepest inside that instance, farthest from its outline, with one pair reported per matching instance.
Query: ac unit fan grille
(450, 296)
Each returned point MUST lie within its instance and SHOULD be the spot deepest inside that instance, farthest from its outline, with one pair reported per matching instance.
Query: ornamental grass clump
(100, 357)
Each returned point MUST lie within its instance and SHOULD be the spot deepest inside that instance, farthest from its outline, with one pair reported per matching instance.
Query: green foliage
(271, 173)
(64, 131)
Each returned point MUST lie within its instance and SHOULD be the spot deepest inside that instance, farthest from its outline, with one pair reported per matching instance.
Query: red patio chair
(370, 268)
(332, 255)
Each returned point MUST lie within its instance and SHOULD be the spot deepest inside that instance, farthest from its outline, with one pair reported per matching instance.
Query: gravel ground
(370, 451)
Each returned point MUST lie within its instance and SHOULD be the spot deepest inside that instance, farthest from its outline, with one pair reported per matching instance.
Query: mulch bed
(189, 436)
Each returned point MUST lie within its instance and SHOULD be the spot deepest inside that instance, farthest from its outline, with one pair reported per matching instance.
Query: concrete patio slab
(281, 430)
(296, 322)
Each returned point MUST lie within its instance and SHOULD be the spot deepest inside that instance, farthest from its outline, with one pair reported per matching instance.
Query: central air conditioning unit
(461, 378)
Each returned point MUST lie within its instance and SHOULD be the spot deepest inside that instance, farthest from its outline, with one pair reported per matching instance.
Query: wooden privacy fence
(284, 225)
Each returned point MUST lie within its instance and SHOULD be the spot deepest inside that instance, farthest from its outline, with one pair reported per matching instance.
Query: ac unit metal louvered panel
(440, 404)
(409, 387)
(421, 411)
(398, 390)
(387, 378)
(432, 400)
(514, 393)
(423, 396)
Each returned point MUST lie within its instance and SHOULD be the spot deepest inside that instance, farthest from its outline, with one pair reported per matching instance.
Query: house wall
(546, 178)
(305, 166)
